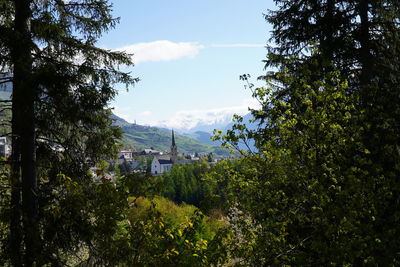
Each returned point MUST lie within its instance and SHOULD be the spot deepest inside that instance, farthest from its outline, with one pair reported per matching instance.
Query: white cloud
(162, 50)
(188, 119)
(165, 50)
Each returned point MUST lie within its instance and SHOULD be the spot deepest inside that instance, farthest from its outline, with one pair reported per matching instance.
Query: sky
(188, 55)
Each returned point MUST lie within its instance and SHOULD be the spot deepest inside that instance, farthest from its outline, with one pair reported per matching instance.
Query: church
(163, 163)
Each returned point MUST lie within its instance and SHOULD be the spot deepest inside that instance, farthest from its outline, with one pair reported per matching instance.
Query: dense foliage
(201, 184)
(139, 231)
(164, 234)
(323, 187)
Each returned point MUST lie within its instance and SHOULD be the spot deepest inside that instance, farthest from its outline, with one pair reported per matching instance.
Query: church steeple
(173, 138)
(174, 149)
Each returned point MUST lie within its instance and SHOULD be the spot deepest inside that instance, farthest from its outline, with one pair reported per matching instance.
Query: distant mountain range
(246, 121)
(250, 126)
(222, 124)
(205, 136)
(209, 128)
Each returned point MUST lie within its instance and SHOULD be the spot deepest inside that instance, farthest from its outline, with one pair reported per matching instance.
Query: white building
(163, 163)
(159, 166)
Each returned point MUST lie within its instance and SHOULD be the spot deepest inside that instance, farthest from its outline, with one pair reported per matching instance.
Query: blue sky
(189, 55)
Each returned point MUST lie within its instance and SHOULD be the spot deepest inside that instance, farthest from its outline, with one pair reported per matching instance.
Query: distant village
(157, 162)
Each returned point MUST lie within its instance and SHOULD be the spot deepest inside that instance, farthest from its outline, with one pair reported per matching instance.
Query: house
(126, 154)
(129, 157)
(163, 163)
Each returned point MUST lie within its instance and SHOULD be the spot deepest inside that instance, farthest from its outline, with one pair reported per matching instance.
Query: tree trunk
(15, 181)
(327, 45)
(23, 99)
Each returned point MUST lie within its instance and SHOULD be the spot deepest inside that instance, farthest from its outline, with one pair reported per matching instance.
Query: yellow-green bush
(173, 215)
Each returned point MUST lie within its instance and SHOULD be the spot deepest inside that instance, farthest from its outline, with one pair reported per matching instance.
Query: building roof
(126, 151)
(165, 161)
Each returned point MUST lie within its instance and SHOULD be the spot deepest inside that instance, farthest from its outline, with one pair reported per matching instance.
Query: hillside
(140, 137)
(204, 137)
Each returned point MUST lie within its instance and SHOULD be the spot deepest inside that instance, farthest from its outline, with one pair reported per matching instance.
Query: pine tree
(62, 84)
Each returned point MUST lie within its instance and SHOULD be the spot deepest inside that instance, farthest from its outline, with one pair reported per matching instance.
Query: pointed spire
(173, 138)
(174, 149)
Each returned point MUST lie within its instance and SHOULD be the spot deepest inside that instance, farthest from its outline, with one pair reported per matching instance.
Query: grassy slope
(141, 137)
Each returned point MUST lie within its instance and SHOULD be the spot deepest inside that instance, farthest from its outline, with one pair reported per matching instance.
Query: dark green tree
(210, 157)
(361, 40)
(199, 184)
(61, 83)
(358, 38)
(323, 188)
(125, 167)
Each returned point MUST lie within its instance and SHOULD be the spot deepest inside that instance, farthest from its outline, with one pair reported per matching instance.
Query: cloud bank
(189, 119)
(162, 50)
